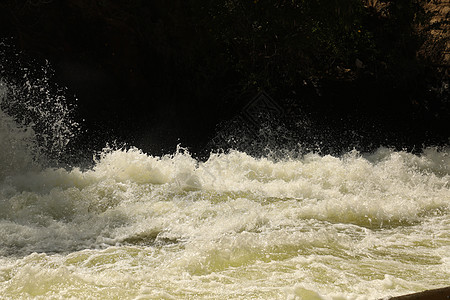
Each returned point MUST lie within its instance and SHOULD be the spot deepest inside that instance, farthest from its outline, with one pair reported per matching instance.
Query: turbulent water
(135, 226)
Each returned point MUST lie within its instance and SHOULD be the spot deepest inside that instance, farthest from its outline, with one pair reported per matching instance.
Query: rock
(435, 294)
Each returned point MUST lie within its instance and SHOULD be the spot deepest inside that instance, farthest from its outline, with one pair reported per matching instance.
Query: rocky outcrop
(440, 30)
(436, 294)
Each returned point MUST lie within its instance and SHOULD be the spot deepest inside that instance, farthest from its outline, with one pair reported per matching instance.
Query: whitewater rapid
(135, 226)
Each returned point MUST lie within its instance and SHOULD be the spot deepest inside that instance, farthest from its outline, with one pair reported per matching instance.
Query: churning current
(136, 226)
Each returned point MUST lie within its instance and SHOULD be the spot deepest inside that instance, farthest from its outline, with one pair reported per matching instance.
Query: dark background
(155, 73)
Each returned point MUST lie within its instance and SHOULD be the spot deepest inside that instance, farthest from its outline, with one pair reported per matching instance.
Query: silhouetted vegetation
(348, 57)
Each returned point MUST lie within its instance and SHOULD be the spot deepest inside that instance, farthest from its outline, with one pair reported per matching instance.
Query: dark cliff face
(144, 73)
(158, 73)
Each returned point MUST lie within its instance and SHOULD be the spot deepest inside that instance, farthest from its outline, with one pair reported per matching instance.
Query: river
(233, 226)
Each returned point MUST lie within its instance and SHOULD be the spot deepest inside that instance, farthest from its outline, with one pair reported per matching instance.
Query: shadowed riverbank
(436, 294)
(155, 74)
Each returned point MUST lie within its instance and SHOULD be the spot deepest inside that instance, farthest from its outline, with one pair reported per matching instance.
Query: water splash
(233, 226)
(17, 143)
(36, 120)
(137, 226)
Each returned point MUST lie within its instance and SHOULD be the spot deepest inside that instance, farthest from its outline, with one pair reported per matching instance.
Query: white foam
(140, 226)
